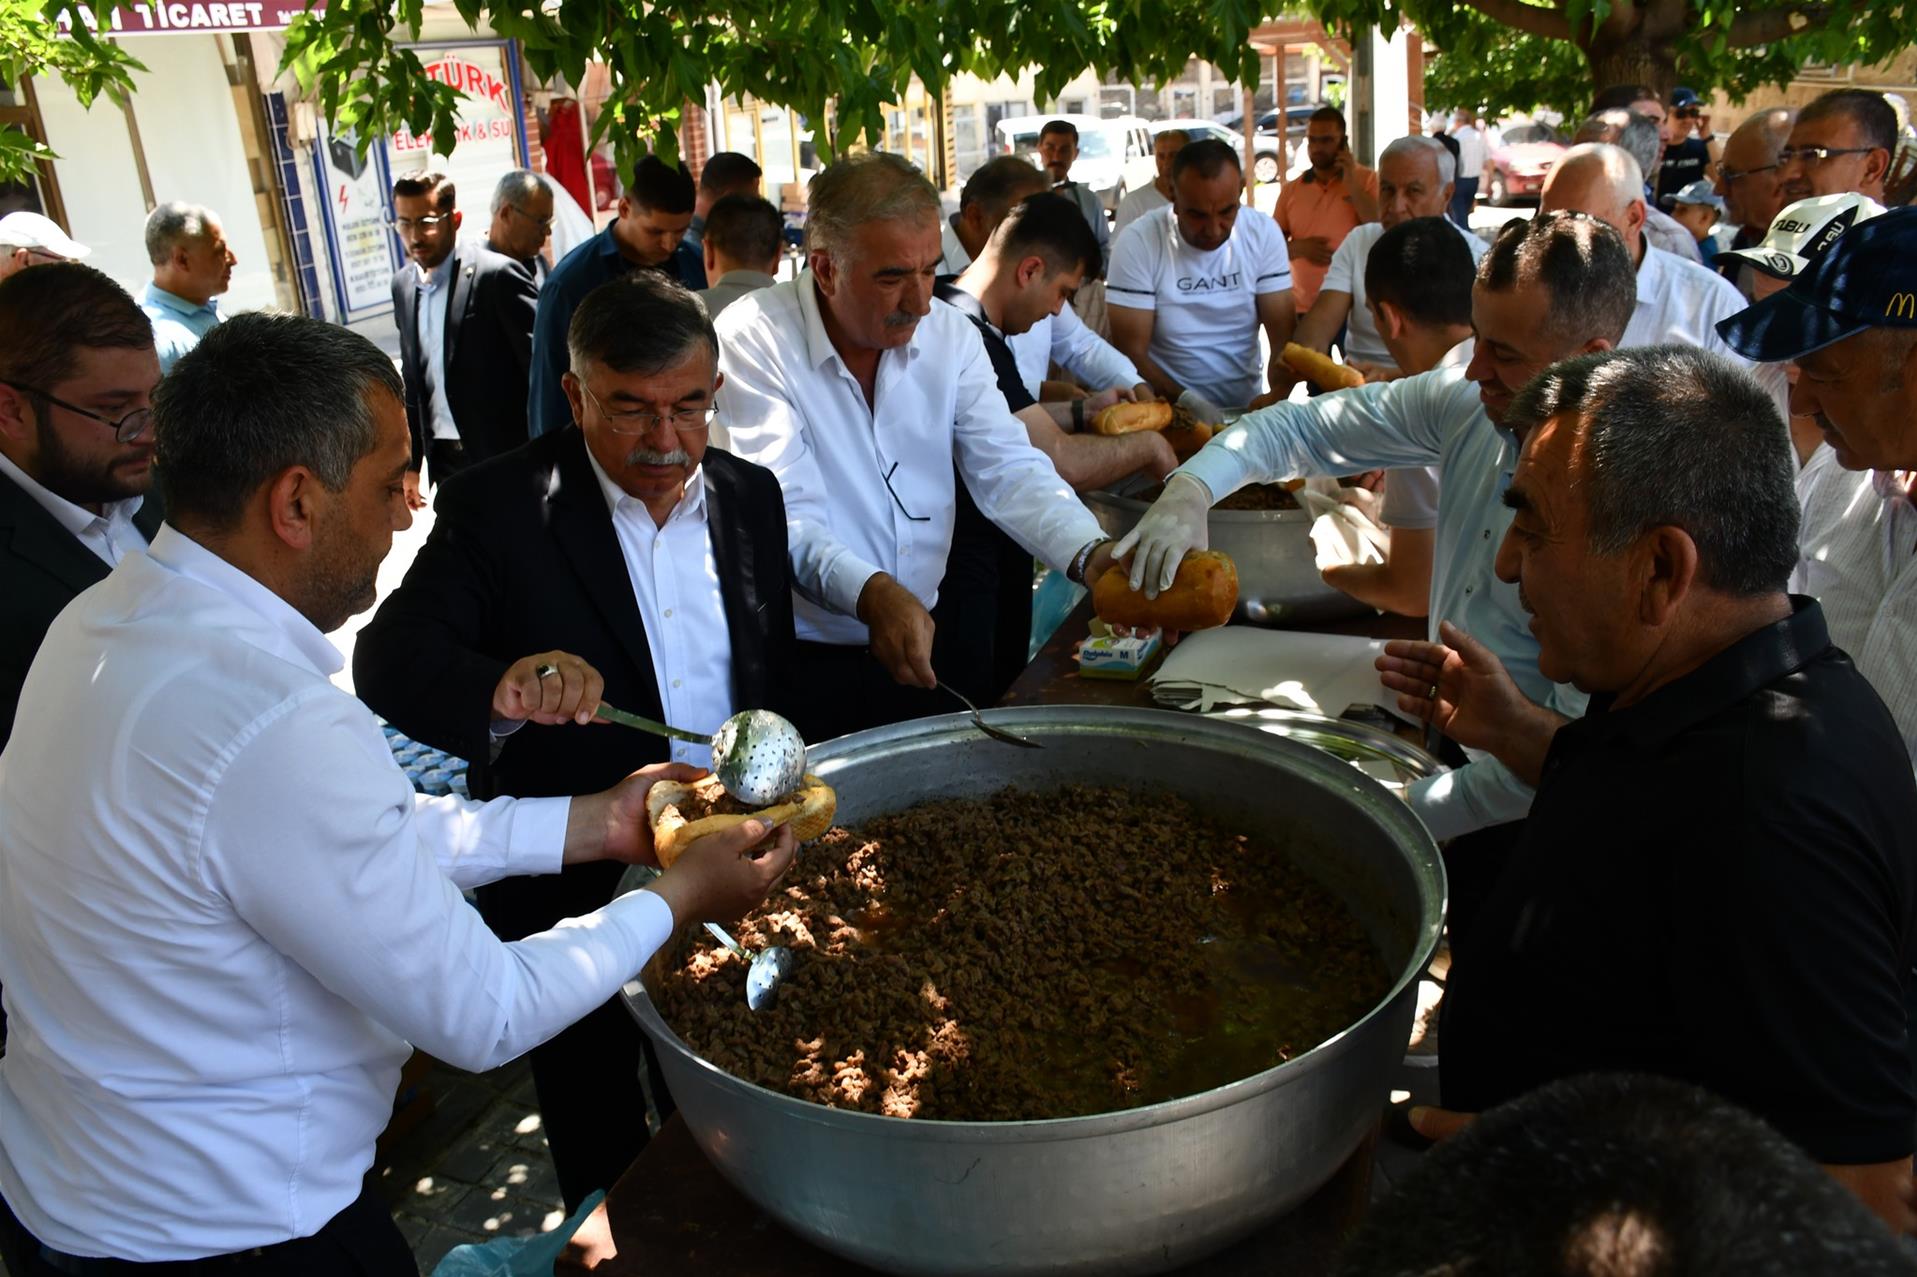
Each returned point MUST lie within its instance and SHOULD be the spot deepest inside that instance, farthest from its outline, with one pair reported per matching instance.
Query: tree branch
(1768, 26)
(1530, 18)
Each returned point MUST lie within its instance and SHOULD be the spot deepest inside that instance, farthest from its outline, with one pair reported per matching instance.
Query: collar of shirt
(1459, 356)
(818, 342)
(748, 279)
(75, 519)
(622, 504)
(431, 280)
(160, 297)
(180, 553)
(1757, 659)
(966, 304)
(1650, 274)
(1891, 485)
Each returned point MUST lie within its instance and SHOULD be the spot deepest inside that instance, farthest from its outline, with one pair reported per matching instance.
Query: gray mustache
(901, 319)
(651, 457)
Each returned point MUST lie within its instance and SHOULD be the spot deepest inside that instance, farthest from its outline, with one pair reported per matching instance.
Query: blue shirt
(595, 262)
(1435, 417)
(178, 324)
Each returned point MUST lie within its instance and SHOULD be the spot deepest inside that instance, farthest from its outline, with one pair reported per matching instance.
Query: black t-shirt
(1683, 164)
(1450, 144)
(1717, 884)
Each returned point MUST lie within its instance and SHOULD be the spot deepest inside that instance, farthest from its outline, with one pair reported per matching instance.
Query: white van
(1114, 156)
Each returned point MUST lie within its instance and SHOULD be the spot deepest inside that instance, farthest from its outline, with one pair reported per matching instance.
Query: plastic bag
(516, 1256)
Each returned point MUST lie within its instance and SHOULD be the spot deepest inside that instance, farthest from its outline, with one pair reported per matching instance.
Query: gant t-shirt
(1205, 325)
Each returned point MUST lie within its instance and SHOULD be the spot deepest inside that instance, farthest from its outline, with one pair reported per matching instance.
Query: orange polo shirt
(1312, 206)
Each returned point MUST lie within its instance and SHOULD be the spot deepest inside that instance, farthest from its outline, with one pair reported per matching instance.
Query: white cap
(31, 230)
(1804, 232)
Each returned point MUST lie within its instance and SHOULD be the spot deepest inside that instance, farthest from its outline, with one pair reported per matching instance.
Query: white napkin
(1323, 673)
(1344, 525)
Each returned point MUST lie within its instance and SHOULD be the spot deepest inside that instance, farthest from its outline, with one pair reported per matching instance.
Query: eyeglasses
(543, 223)
(429, 223)
(909, 516)
(1818, 154)
(1734, 174)
(687, 421)
(125, 430)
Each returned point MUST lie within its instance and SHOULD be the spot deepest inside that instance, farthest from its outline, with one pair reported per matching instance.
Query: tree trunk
(1632, 60)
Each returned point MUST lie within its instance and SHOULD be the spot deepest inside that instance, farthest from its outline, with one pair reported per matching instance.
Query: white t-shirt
(1145, 199)
(1205, 326)
(1470, 152)
(1346, 274)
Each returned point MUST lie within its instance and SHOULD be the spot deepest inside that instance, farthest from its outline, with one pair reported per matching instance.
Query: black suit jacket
(488, 355)
(42, 567)
(523, 559)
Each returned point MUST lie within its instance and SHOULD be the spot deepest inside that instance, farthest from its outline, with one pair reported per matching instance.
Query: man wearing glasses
(522, 220)
(1749, 180)
(77, 370)
(1842, 142)
(619, 559)
(465, 316)
(29, 239)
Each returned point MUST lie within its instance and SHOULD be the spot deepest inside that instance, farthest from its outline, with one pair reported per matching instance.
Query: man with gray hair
(871, 404)
(218, 893)
(620, 558)
(522, 220)
(191, 266)
(1733, 895)
(1638, 137)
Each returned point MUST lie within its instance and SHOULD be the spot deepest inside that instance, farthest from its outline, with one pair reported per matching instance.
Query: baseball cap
(1803, 232)
(31, 230)
(1681, 97)
(1699, 193)
(1866, 279)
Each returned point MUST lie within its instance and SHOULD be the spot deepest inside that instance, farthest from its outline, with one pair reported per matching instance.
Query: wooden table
(673, 1213)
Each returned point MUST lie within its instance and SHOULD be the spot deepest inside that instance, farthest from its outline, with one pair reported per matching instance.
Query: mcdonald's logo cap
(1867, 278)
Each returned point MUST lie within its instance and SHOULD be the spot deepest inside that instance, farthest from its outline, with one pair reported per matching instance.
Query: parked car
(1264, 164)
(1114, 156)
(1202, 130)
(1516, 170)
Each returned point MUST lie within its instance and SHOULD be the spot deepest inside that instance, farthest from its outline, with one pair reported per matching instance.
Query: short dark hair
(1622, 95)
(1209, 156)
(642, 322)
(1675, 436)
(1050, 226)
(1623, 1175)
(727, 172)
(1329, 114)
(1060, 126)
(659, 187)
(1580, 261)
(433, 182)
(1873, 116)
(258, 394)
(999, 183)
(1424, 269)
(49, 314)
(746, 228)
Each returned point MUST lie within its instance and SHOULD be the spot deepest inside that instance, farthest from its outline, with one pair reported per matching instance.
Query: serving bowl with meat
(1106, 1011)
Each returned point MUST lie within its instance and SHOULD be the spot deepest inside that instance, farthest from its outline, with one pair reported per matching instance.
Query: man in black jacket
(618, 559)
(77, 370)
(465, 317)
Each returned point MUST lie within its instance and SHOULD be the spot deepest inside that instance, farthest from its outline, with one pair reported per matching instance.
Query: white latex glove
(1173, 527)
(1201, 408)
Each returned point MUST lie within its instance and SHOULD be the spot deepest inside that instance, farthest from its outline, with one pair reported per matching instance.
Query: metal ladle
(764, 973)
(978, 721)
(758, 756)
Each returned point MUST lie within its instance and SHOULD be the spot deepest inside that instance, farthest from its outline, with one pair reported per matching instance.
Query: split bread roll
(1124, 418)
(1201, 596)
(1319, 369)
(680, 814)
(1187, 436)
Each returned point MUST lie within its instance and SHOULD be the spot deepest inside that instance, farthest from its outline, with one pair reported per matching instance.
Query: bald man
(1749, 178)
(1677, 300)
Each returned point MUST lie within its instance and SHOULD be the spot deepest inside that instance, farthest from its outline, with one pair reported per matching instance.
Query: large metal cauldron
(1133, 1192)
(1278, 581)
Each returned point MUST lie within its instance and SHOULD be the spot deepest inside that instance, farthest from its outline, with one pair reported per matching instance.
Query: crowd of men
(1656, 512)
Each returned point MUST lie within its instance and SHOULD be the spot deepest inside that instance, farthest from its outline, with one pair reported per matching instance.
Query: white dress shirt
(1346, 274)
(1136, 204)
(1470, 152)
(1411, 495)
(790, 404)
(110, 534)
(1680, 302)
(675, 580)
(1068, 341)
(434, 297)
(1205, 328)
(1434, 417)
(953, 259)
(224, 914)
(1858, 548)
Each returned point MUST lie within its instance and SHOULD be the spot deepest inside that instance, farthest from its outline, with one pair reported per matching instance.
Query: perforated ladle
(758, 756)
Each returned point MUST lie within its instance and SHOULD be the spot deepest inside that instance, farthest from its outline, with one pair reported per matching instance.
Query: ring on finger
(545, 671)
(1433, 694)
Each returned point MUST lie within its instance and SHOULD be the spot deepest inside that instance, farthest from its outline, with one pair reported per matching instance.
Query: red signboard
(197, 17)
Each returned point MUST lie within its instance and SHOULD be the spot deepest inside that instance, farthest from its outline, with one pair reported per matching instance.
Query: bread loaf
(1201, 596)
(681, 814)
(1187, 437)
(1124, 418)
(1319, 369)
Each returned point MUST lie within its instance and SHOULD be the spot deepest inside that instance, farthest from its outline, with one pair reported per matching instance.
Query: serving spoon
(978, 721)
(765, 972)
(758, 756)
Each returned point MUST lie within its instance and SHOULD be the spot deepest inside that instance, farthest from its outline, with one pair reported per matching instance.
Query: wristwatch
(1075, 573)
(1078, 414)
